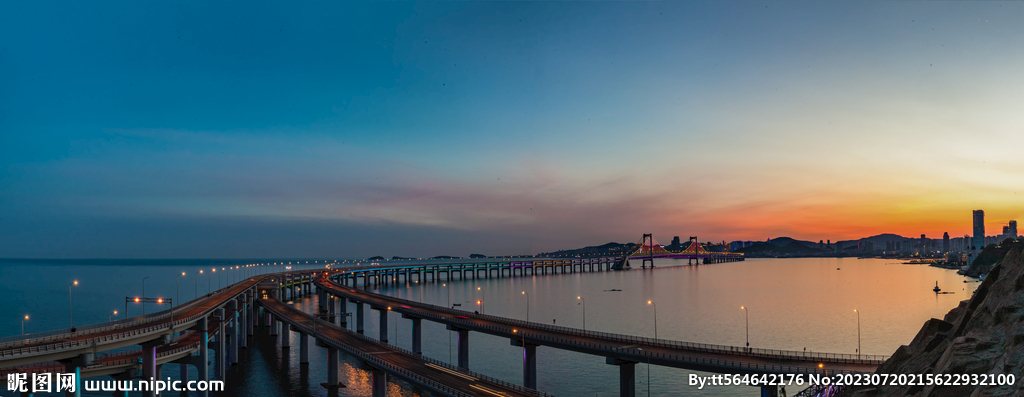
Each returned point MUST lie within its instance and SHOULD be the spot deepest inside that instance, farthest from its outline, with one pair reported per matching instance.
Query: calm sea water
(792, 304)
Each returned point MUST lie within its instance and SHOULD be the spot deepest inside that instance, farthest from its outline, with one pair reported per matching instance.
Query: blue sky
(189, 129)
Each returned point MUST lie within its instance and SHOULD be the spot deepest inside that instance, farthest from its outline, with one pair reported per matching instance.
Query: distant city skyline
(222, 130)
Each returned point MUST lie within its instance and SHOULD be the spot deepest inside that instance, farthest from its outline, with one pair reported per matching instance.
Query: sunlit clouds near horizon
(421, 129)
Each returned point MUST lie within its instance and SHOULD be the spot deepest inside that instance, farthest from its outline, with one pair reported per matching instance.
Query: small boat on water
(936, 289)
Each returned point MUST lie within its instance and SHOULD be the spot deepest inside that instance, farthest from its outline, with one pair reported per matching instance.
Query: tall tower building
(979, 230)
(1013, 229)
(945, 242)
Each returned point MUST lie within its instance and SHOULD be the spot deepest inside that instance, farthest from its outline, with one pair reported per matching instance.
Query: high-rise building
(979, 229)
(1013, 229)
(945, 242)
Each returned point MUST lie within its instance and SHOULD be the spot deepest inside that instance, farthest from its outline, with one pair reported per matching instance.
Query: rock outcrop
(983, 335)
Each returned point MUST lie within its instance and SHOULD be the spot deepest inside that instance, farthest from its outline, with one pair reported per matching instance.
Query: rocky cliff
(984, 335)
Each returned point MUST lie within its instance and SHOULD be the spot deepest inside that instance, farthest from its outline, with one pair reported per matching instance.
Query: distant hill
(782, 245)
(604, 249)
(375, 258)
(879, 240)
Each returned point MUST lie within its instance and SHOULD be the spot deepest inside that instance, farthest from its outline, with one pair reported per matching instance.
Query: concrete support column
(463, 344)
(530, 366)
(220, 368)
(286, 335)
(380, 382)
(273, 326)
(233, 332)
(383, 324)
(330, 308)
(417, 335)
(204, 354)
(359, 317)
(303, 348)
(332, 368)
(627, 376)
(75, 365)
(343, 311)
(149, 365)
(769, 391)
(183, 371)
(244, 325)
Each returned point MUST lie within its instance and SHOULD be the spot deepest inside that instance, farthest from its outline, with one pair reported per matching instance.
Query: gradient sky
(326, 129)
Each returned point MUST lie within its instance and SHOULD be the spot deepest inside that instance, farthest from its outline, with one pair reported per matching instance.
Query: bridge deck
(412, 367)
(630, 348)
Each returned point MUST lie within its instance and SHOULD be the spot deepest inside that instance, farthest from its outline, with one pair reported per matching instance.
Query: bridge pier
(379, 381)
(330, 308)
(149, 367)
(383, 322)
(359, 317)
(75, 365)
(627, 376)
(204, 354)
(233, 332)
(463, 346)
(343, 311)
(332, 368)
(303, 348)
(286, 330)
(417, 334)
(220, 343)
(769, 391)
(529, 362)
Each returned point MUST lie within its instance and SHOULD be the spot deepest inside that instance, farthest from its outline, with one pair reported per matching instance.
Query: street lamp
(23, 319)
(71, 323)
(746, 317)
(858, 332)
(197, 282)
(144, 294)
(655, 318)
(209, 279)
(481, 304)
(584, 303)
(527, 306)
(111, 316)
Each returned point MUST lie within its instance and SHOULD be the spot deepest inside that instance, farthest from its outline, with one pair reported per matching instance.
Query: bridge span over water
(226, 319)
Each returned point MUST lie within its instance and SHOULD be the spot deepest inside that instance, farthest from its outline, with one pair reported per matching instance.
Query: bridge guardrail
(10, 352)
(403, 371)
(701, 347)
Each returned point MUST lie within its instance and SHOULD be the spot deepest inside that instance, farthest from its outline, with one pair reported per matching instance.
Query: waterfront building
(945, 242)
(979, 229)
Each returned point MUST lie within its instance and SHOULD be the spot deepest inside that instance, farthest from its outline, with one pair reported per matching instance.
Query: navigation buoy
(936, 289)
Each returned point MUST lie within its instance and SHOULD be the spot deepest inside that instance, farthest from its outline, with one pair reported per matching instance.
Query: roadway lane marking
(496, 393)
(456, 373)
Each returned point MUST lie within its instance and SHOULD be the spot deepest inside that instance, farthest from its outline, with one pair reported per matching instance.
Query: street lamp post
(111, 316)
(209, 280)
(23, 319)
(144, 294)
(746, 318)
(584, 303)
(177, 295)
(197, 282)
(71, 322)
(655, 318)
(648, 372)
(527, 306)
(858, 332)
